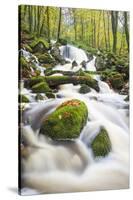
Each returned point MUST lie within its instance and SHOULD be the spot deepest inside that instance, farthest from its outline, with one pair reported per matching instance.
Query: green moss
(50, 95)
(41, 87)
(23, 99)
(116, 80)
(37, 41)
(84, 89)
(34, 81)
(101, 145)
(23, 63)
(46, 58)
(58, 80)
(27, 47)
(67, 121)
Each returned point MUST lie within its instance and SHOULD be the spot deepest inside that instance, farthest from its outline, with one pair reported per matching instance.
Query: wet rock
(67, 121)
(116, 80)
(89, 56)
(101, 145)
(54, 81)
(55, 52)
(39, 45)
(33, 81)
(127, 98)
(23, 99)
(100, 63)
(84, 89)
(83, 63)
(50, 95)
(74, 64)
(125, 89)
(41, 88)
(46, 59)
(39, 97)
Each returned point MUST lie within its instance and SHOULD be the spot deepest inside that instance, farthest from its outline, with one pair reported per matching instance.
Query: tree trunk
(108, 18)
(114, 20)
(126, 29)
(30, 18)
(98, 35)
(94, 31)
(106, 45)
(59, 25)
(48, 25)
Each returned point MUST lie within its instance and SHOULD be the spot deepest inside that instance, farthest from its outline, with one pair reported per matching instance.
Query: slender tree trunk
(82, 29)
(122, 38)
(126, 29)
(114, 20)
(48, 25)
(106, 45)
(108, 18)
(59, 25)
(94, 31)
(38, 19)
(99, 23)
(75, 24)
(30, 18)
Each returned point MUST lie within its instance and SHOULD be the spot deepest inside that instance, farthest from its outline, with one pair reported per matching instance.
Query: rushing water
(49, 167)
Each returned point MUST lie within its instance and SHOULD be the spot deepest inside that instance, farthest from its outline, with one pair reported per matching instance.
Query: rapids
(50, 166)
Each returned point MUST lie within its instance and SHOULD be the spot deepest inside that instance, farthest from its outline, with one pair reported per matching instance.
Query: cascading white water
(73, 53)
(30, 57)
(71, 167)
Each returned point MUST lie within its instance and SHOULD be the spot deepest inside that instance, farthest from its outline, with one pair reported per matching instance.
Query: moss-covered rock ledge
(66, 122)
(58, 80)
(54, 81)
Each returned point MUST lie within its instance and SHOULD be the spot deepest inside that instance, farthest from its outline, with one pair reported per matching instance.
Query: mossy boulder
(41, 88)
(55, 52)
(39, 97)
(33, 81)
(101, 145)
(46, 59)
(116, 80)
(50, 95)
(66, 122)
(84, 89)
(100, 63)
(39, 45)
(23, 99)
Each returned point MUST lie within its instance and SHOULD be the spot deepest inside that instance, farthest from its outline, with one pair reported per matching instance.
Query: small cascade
(30, 57)
(73, 53)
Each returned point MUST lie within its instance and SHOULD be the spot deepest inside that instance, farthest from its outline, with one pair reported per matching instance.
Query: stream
(71, 166)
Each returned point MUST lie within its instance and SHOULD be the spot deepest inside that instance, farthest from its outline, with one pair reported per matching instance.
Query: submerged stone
(101, 145)
(66, 122)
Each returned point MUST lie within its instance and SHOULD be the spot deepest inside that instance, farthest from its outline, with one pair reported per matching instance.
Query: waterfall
(49, 167)
(73, 53)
